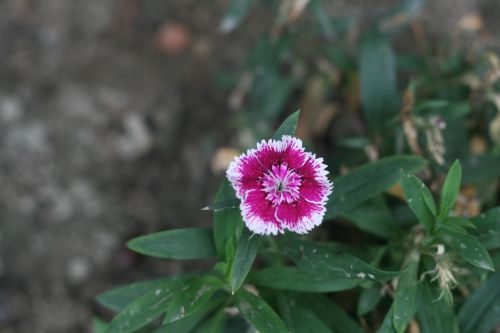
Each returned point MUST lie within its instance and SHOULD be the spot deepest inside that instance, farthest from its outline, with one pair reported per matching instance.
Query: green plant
(412, 229)
(414, 271)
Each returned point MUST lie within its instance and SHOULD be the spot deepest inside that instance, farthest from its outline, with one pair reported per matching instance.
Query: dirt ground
(104, 136)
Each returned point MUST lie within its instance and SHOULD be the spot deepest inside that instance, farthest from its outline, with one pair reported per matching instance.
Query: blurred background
(118, 118)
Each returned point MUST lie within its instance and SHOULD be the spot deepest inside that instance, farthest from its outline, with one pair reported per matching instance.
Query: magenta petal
(293, 154)
(268, 155)
(250, 166)
(309, 169)
(259, 214)
(300, 216)
(247, 184)
(244, 173)
(287, 151)
(313, 191)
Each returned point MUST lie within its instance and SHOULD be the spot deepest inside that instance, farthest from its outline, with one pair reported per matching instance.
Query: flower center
(281, 184)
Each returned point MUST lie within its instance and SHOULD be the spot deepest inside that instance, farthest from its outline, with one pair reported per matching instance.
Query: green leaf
(307, 322)
(213, 325)
(330, 313)
(429, 201)
(321, 259)
(288, 127)
(469, 248)
(119, 298)
(377, 80)
(374, 217)
(454, 228)
(258, 313)
(388, 324)
(368, 300)
(293, 278)
(435, 314)
(273, 101)
(188, 323)
(322, 18)
(146, 308)
(228, 223)
(192, 298)
(407, 297)
(480, 168)
(357, 142)
(429, 105)
(224, 204)
(98, 325)
(460, 221)
(237, 324)
(481, 310)
(413, 189)
(451, 187)
(235, 14)
(243, 259)
(488, 228)
(190, 243)
(368, 181)
(298, 318)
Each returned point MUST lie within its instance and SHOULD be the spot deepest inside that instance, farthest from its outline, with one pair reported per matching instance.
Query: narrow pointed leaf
(191, 299)
(374, 217)
(413, 189)
(321, 259)
(368, 300)
(258, 313)
(435, 314)
(460, 221)
(368, 181)
(454, 228)
(190, 243)
(481, 310)
(99, 325)
(228, 223)
(451, 187)
(243, 259)
(216, 324)
(377, 80)
(224, 204)
(388, 323)
(188, 323)
(299, 318)
(146, 308)
(488, 228)
(330, 313)
(119, 298)
(407, 297)
(288, 127)
(469, 248)
(293, 278)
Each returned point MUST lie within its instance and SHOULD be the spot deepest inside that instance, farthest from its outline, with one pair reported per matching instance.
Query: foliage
(411, 231)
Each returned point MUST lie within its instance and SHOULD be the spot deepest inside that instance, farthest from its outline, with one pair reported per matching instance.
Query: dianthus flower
(280, 186)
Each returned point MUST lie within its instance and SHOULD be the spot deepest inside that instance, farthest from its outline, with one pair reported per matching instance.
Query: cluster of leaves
(398, 250)
(285, 293)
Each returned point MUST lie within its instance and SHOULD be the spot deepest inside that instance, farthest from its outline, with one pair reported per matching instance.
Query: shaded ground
(103, 137)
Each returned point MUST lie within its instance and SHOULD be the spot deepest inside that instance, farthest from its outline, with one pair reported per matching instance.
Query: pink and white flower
(280, 186)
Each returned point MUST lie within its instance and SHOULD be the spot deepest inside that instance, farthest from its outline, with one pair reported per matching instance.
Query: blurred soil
(109, 119)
